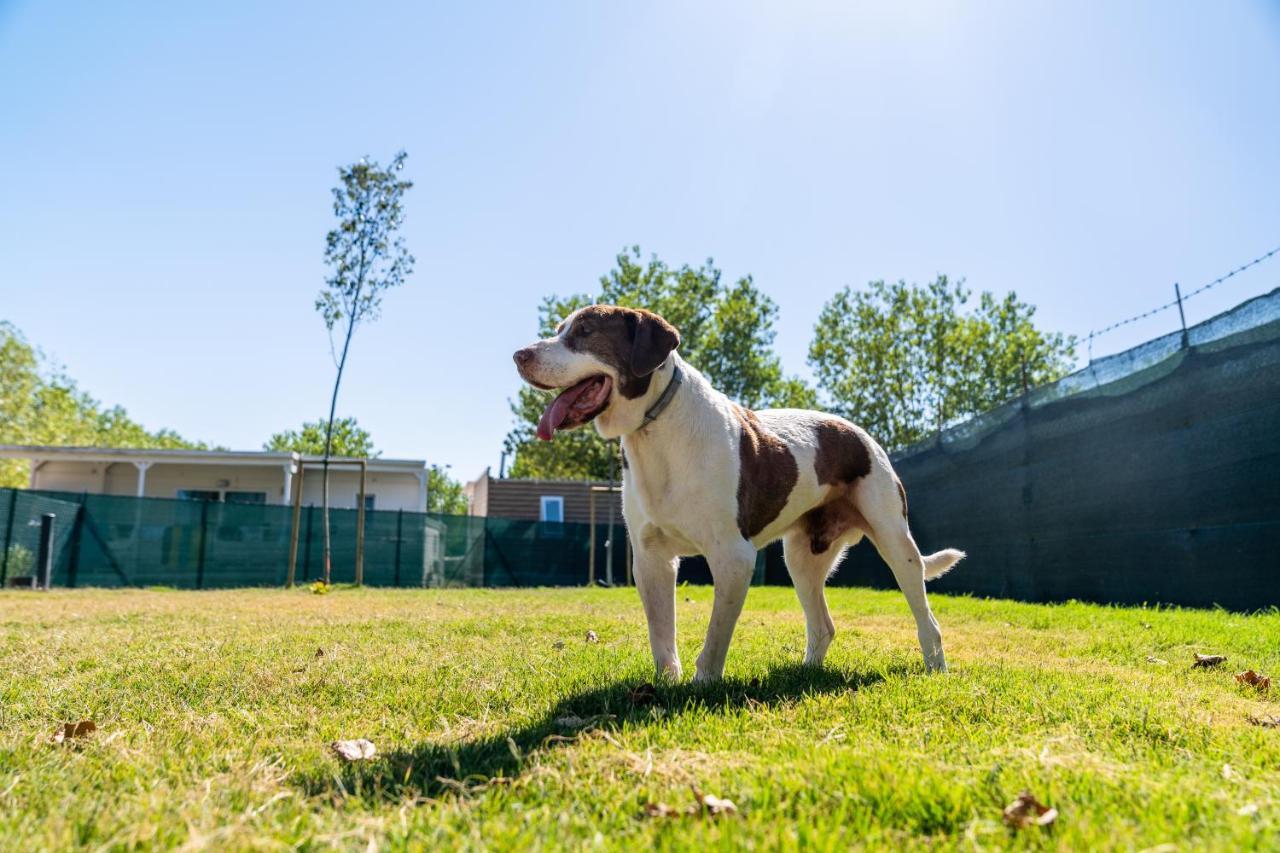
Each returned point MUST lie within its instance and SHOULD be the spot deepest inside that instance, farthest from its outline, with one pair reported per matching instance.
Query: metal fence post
(360, 527)
(1177, 291)
(204, 535)
(591, 546)
(44, 562)
(293, 529)
(399, 538)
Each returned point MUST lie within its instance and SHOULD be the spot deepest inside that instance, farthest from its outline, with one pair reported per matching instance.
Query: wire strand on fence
(1166, 306)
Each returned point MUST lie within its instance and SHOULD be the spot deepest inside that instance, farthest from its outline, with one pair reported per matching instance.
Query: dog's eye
(584, 329)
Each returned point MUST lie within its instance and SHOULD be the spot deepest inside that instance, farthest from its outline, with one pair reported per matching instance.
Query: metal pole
(1182, 316)
(297, 522)
(364, 465)
(608, 543)
(204, 536)
(591, 522)
(399, 534)
(44, 560)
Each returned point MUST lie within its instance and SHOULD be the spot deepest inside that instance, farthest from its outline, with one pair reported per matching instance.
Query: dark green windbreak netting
(1149, 476)
(108, 540)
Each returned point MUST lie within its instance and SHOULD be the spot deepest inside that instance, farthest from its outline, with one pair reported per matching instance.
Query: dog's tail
(937, 565)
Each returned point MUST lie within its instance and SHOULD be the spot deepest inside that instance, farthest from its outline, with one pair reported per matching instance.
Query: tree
(726, 332)
(40, 404)
(444, 494)
(366, 257)
(348, 440)
(904, 361)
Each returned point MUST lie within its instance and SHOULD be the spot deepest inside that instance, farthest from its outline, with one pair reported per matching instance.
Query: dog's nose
(523, 356)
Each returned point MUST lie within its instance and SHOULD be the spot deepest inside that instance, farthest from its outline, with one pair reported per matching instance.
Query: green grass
(215, 712)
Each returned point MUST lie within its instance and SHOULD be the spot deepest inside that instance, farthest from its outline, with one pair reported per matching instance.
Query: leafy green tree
(39, 404)
(726, 331)
(366, 257)
(444, 494)
(904, 360)
(348, 440)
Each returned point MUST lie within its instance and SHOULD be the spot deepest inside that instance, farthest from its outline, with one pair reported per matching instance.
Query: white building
(256, 477)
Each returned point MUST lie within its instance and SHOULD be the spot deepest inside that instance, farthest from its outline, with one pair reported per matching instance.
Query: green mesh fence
(20, 514)
(1150, 476)
(109, 540)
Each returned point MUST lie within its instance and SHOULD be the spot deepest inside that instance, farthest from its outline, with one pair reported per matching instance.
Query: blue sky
(167, 169)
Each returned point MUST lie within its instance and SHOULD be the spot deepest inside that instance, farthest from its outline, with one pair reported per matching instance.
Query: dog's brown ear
(655, 339)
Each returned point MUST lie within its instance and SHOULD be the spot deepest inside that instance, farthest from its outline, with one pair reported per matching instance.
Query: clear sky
(166, 175)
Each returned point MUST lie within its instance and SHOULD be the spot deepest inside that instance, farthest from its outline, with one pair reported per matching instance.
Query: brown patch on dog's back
(842, 455)
(767, 474)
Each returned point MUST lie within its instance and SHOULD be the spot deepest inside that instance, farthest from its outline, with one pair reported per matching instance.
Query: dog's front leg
(731, 569)
(655, 573)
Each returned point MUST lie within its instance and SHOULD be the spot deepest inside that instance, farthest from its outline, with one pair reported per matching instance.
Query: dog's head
(603, 357)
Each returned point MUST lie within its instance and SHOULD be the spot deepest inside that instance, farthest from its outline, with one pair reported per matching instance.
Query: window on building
(370, 501)
(199, 495)
(245, 497)
(552, 509)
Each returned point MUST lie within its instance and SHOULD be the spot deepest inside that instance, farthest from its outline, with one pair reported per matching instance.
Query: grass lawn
(215, 711)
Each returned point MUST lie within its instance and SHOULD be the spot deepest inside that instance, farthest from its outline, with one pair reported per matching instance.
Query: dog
(704, 475)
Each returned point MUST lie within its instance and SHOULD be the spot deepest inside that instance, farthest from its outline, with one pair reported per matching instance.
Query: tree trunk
(328, 451)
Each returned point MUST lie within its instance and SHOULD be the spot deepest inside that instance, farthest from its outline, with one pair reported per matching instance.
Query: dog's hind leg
(809, 573)
(882, 505)
(731, 570)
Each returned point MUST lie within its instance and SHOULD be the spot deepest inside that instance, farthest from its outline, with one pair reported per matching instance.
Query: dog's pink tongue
(555, 413)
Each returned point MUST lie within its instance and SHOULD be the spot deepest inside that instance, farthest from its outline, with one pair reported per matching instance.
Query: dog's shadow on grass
(431, 769)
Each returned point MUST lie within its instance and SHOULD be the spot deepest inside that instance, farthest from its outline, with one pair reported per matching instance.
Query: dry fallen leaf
(712, 804)
(592, 638)
(645, 694)
(1028, 811)
(354, 750)
(319, 652)
(1267, 721)
(704, 804)
(1253, 679)
(660, 810)
(1206, 661)
(71, 731)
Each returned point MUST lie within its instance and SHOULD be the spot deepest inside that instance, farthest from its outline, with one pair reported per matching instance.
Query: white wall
(165, 479)
(71, 476)
(393, 490)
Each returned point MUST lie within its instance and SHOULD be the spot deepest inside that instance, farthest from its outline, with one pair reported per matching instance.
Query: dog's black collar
(665, 398)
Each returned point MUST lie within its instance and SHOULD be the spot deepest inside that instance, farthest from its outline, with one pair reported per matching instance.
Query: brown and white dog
(707, 476)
